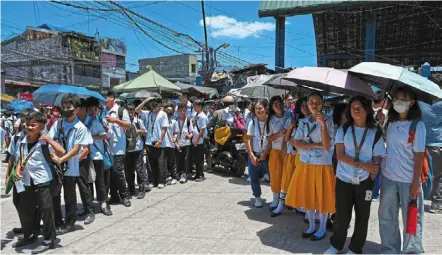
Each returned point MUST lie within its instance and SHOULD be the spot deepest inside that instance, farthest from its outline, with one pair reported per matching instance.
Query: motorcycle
(232, 155)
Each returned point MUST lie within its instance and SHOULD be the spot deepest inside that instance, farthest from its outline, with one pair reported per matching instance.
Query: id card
(19, 186)
(355, 178)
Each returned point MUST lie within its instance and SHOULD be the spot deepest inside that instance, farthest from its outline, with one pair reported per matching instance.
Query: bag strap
(22, 151)
(412, 130)
(120, 112)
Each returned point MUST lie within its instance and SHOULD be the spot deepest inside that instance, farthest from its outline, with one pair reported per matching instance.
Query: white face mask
(401, 106)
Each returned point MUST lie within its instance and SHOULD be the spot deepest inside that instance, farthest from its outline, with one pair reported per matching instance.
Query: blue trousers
(377, 185)
(394, 196)
(255, 174)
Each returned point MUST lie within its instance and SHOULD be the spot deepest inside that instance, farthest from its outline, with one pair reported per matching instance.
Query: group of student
(326, 166)
(107, 146)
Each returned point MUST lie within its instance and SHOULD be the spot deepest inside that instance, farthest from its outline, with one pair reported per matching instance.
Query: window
(114, 82)
(193, 68)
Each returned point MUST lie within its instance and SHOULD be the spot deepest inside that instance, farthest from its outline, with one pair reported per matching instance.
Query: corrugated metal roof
(299, 7)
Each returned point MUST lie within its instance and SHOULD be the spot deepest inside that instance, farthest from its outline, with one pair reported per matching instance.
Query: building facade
(174, 68)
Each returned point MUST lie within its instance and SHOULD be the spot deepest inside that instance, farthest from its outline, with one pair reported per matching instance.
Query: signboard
(25, 96)
(113, 46)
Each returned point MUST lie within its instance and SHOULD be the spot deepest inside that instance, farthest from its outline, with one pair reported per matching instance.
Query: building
(51, 55)
(349, 32)
(183, 68)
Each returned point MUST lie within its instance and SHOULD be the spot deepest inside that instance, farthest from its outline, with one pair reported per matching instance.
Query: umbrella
(6, 98)
(53, 94)
(149, 81)
(330, 80)
(388, 77)
(142, 94)
(255, 88)
(278, 82)
(19, 105)
(198, 91)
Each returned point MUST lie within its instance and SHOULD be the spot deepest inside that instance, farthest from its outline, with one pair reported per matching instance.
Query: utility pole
(207, 64)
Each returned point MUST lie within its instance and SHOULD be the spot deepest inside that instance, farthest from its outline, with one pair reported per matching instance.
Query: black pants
(83, 186)
(16, 202)
(102, 181)
(70, 201)
(182, 160)
(146, 167)
(118, 187)
(134, 163)
(436, 192)
(171, 162)
(157, 160)
(347, 196)
(37, 198)
(197, 156)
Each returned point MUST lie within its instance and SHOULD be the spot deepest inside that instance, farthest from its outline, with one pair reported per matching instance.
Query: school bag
(427, 169)
(238, 120)
(56, 169)
(131, 133)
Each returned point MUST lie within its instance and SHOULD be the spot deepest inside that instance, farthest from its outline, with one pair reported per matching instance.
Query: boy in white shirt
(171, 144)
(199, 130)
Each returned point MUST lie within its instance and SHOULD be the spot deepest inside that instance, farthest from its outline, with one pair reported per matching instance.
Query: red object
(412, 217)
(25, 96)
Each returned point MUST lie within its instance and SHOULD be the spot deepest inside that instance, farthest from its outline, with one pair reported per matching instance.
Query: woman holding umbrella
(313, 183)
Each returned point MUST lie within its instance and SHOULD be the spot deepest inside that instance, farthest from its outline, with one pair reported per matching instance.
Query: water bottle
(412, 217)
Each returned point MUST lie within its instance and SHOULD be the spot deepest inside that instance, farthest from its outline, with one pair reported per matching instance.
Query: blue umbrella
(53, 94)
(19, 105)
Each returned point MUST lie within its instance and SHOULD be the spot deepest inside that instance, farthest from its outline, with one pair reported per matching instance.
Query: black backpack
(131, 133)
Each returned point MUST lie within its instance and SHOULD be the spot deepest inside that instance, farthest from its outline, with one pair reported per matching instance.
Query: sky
(234, 22)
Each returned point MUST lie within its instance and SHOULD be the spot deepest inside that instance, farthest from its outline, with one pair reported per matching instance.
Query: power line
(428, 15)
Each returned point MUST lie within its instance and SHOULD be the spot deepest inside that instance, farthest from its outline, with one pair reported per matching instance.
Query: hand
(254, 160)
(111, 119)
(18, 172)
(83, 157)
(282, 132)
(415, 190)
(320, 118)
(195, 143)
(7, 179)
(370, 167)
(158, 144)
(55, 158)
(45, 138)
(262, 157)
(178, 147)
(380, 116)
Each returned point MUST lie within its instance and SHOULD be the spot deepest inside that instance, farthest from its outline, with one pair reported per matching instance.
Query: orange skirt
(290, 163)
(276, 161)
(313, 188)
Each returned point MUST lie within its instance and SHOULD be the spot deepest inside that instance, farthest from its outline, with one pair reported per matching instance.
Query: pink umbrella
(330, 80)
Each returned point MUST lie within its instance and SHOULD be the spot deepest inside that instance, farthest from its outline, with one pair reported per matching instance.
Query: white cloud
(230, 27)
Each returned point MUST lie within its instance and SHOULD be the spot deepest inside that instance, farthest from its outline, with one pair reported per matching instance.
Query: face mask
(67, 113)
(401, 106)
(169, 114)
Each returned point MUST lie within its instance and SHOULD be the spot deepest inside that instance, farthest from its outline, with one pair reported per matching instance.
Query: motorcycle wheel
(238, 167)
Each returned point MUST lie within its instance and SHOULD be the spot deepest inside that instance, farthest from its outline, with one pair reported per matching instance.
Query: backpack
(108, 160)
(238, 120)
(427, 169)
(131, 133)
(56, 170)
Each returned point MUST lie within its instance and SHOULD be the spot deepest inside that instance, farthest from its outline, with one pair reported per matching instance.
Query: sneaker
(265, 178)
(248, 180)
(168, 180)
(258, 202)
(183, 179)
(151, 186)
(44, 246)
(147, 187)
(65, 229)
(332, 250)
(89, 219)
(106, 211)
(160, 186)
(24, 241)
(174, 181)
(126, 202)
(200, 178)
(375, 199)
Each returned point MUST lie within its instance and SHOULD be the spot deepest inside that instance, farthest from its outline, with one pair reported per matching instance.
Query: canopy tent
(148, 81)
(198, 90)
(6, 98)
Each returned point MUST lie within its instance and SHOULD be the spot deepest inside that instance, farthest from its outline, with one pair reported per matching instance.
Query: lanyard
(181, 126)
(261, 133)
(152, 122)
(358, 148)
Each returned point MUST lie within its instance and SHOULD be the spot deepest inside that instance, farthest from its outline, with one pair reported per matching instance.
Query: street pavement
(214, 216)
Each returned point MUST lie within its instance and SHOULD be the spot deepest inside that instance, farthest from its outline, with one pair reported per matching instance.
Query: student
(359, 147)
(171, 144)
(157, 124)
(257, 144)
(292, 157)
(401, 178)
(134, 159)
(314, 180)
(275, 136)
(36, 176)
(288, 107)
(97, 129)
(184, 140)
(184, 99)
(117, 140)
(72, 135)
(199, 130)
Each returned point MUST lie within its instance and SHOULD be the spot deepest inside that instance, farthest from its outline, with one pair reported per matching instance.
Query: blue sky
(233, 22)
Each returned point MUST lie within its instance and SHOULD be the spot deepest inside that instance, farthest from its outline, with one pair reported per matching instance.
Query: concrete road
(214, 216)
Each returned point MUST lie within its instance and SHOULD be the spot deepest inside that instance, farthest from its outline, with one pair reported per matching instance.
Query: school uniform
(171, 148)
(256, 130)
(354, 186)
(157, 156)
(117, 142)
(197, 153)
(74, 133)
(182, 156)
(276, 157)
(290, 161)
(37, 177)
(189, 111)
(395, 187)
(102, 176)
(313, 183)
(134, 160)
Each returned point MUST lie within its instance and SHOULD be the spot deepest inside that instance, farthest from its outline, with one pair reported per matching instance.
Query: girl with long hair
(275, 136)
(291, 158)
(401, 178)
(359, 147)
(313, 184)
(256, 145)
